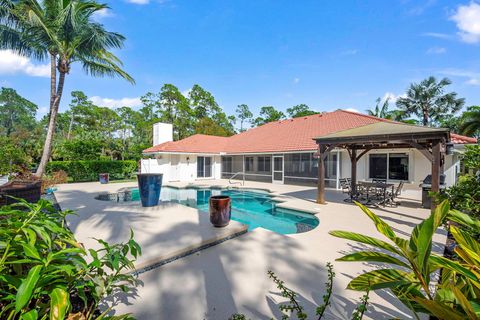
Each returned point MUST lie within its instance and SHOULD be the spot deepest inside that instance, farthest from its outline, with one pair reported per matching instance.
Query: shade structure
(384, 135)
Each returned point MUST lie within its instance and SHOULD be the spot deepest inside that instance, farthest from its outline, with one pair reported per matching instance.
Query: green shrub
(87, 170)
(12, 158)
(471, 158)
(464, 196)
(44, 271)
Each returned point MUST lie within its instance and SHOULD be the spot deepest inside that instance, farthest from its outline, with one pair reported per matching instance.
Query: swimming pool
(253, 208)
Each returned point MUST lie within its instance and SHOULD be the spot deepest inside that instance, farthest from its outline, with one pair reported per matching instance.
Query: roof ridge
(367, 116)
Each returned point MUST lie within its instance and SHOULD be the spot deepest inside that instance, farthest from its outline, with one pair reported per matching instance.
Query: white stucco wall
(179, 167)
(419, 166)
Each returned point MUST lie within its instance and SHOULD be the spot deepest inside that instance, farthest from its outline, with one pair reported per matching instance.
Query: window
(264, 164)
(204, 167)
(249, 164)
(398, 166)
(393, 165)
(378, 166)
(227, 165)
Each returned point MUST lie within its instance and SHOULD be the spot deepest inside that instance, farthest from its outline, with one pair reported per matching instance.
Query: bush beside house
(88, 170)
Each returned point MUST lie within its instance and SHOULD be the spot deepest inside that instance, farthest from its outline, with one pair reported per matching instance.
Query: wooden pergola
(431, 142)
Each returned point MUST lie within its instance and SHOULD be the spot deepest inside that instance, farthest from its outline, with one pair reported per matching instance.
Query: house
(285, 152)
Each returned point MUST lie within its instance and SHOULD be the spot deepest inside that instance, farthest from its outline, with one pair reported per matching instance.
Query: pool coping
(280, 199)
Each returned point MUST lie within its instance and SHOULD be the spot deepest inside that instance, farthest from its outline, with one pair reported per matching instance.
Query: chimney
(162, 132)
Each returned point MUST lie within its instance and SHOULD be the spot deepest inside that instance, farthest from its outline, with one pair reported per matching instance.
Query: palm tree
(64, 32)
(428, 101)
(471, 122)
(380, 112)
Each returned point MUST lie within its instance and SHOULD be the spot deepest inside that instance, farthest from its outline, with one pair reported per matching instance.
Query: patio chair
(345, 185)
(396, 193)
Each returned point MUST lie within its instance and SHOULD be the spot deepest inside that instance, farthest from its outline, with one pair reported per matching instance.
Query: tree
(381, 111)
(64, 31)
(202, 102)
(15, 111)
(268, 114)
(428, 100)
(244, 115)
(470, 123)
(210, 127)
(300, 110)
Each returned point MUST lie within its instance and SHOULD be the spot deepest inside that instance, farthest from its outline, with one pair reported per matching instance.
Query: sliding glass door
(204, 167)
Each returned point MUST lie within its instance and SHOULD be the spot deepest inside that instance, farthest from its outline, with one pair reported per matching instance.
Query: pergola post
(321, 175)
(436, 163)
(353, 160)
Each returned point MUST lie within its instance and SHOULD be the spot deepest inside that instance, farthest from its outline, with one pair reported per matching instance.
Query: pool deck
(232, 276)
(164, 232)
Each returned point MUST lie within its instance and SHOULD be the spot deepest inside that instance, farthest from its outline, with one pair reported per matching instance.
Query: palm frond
(99, 68)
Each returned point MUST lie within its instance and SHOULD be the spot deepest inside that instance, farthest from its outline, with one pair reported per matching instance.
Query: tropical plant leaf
(439, 309)
(372, 256)
(31, 251)
(30, 315)
(26, 288)
(365, 239)
(464, 303)
(455, 266)
(59, 303)
(464, 219)
(381, 225)
(380, 279)
(466, 242)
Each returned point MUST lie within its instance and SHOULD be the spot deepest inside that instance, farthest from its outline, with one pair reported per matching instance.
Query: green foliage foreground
(44, 271)
(87, 170)
(411, 277)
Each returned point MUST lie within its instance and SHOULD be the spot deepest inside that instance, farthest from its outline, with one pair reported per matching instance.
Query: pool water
(253, 208)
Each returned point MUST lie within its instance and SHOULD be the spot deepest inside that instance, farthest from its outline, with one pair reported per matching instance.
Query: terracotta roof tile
(458, 139)
(198, 143)
(280, 136)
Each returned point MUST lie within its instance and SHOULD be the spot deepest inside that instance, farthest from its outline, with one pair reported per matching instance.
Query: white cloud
(12, 63)
(437, 35)
(473, 78)
(392, 98)
(103, 13)
(467, 19)
(116, 103)
(353, 110)
(436, 50)
(296, 80)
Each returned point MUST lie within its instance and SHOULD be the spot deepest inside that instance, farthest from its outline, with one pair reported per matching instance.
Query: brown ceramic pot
(220, 210)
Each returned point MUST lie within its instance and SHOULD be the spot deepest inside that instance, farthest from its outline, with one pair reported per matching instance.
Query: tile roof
(279, 136)
(458, 139)
(198, 143)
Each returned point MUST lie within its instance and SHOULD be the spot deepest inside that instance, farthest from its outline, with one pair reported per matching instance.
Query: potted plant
(220, 208)
(149, 187)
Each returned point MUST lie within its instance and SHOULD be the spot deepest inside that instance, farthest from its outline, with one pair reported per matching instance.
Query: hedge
(88, 170)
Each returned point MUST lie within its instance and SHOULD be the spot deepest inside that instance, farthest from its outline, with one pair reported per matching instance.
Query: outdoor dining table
(377, 185)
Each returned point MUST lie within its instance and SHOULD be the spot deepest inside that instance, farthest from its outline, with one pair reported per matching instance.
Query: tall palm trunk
(425, 117)
(56, 96)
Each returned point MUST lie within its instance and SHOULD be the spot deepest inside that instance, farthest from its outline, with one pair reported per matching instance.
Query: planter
(220, 208)
(27, 190)
(104, 178)
(149, 186)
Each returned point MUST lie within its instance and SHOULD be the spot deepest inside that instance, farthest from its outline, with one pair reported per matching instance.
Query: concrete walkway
(232, 276)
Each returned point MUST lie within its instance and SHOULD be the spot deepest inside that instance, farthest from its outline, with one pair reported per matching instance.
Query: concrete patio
(232, 276)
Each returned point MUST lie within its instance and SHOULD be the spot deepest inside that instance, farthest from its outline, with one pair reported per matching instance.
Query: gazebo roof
(385, 132)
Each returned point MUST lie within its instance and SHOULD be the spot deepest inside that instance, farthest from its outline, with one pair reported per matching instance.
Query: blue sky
(327, 54)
